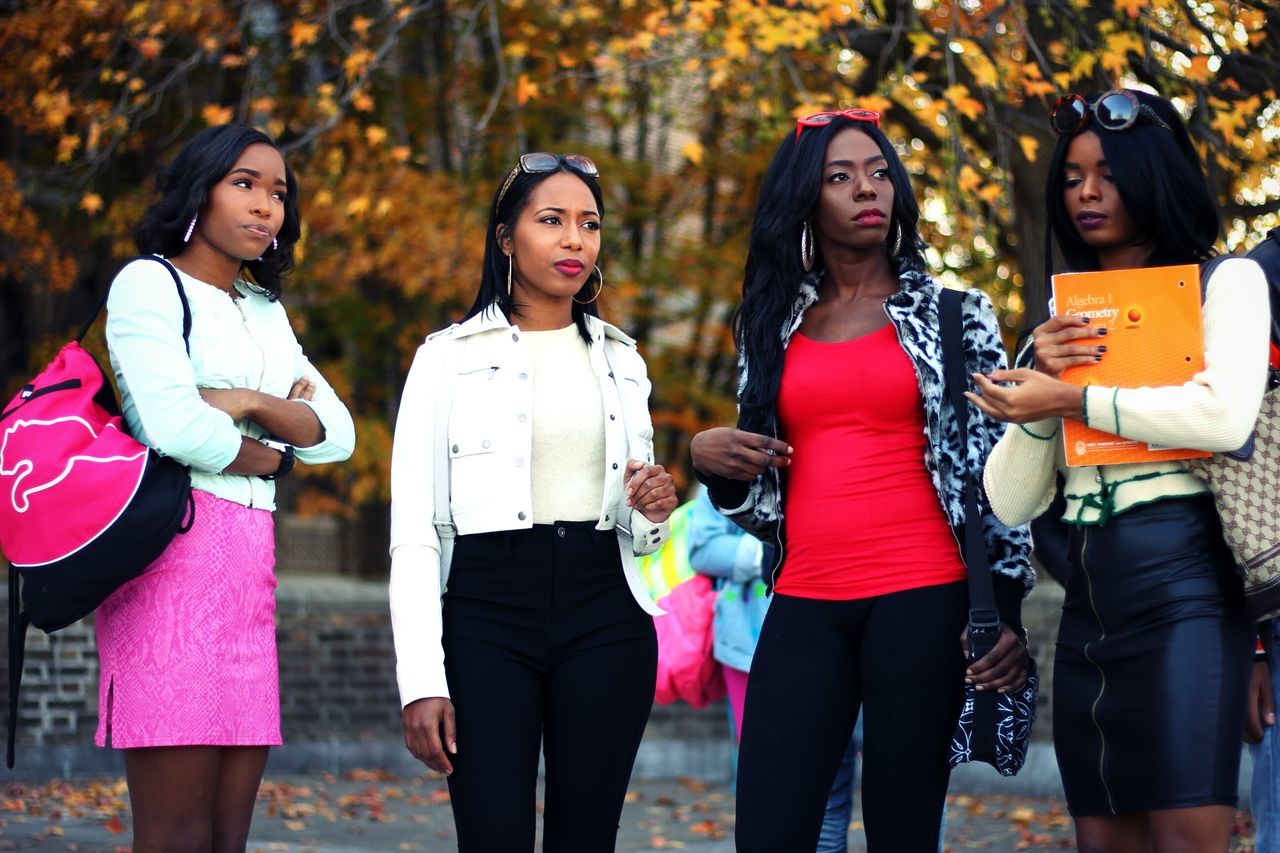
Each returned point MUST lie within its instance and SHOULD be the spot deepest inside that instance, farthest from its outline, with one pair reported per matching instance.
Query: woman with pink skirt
(189, 687)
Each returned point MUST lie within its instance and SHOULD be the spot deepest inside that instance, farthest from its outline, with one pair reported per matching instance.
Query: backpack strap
(18, 623)
(182, 297)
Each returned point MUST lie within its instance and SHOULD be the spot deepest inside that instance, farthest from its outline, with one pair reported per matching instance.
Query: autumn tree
(401, 116)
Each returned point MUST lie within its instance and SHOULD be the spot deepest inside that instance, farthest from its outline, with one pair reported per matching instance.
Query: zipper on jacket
(1093, 710)
(262, 373)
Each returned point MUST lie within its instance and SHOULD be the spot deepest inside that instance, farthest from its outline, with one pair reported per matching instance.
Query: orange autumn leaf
(526, 90)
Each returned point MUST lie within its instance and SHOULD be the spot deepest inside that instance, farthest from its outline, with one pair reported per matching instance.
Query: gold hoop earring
(511, 264)
(596, 295)
(806, 247)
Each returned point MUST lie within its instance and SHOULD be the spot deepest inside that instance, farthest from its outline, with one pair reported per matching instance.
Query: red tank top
(862, 517)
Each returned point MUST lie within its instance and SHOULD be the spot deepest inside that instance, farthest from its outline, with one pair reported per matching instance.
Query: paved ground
(371, 810)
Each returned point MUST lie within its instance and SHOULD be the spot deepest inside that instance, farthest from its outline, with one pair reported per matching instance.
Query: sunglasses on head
(538, 162)
(1118, 109)
(824, 118)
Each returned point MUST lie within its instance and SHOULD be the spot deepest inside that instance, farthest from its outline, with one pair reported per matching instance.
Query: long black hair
(774, 273)
(184, 189)
(505, 211)
(1158, 175)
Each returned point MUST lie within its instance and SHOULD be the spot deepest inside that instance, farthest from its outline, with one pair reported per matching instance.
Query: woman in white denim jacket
(539, 633)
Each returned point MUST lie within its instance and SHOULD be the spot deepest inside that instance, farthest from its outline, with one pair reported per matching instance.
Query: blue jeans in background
(1265, 790)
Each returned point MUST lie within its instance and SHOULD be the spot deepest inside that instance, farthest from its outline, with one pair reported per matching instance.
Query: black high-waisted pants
(899, 657)
(1152, 665)
(544, 646)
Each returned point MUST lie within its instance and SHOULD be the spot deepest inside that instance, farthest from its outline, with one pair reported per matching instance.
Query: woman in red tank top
(849, 462)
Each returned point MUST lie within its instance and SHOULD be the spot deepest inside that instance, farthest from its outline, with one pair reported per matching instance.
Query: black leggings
(897, 655)
(544, 645)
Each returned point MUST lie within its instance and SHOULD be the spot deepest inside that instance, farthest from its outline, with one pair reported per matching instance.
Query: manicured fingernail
(1102, 330)
(1102, 349)
(1097, 358)
(968, 680)
(453, 747)
(1084, 320)
(978, 687)
(1271, 718)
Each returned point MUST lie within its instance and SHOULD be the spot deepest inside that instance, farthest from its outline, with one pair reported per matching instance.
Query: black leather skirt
(1153, 661)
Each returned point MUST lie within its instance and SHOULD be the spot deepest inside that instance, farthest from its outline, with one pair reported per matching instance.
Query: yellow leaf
(1030, 145)
(375, 135)
(969, 179)
(91, 203)
(214, 114)
(302, 33)
(401, 153)
(360, 25)
(358, 205)
(990, 193)
(921, 44)
(67, 147)
(525, 90)
(692, 152)
(1082, 65)
(958, 96)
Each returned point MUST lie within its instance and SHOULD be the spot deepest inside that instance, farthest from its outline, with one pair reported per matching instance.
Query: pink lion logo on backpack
(68, 468)
(27, 444)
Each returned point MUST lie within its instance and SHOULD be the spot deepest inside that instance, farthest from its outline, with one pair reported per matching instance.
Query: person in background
(720, 549)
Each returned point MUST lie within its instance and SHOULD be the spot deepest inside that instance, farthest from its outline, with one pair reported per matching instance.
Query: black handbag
(993, 727)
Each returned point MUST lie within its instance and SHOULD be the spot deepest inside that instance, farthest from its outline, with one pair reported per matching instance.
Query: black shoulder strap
(983, 616)
(18, 622)
(182, 297)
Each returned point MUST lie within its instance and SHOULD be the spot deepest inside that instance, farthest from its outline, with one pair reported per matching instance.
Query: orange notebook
(1154, 338)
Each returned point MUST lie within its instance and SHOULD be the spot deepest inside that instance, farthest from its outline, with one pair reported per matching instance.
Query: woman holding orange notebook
(1154, 650)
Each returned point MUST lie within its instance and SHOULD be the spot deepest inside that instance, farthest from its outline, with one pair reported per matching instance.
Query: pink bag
(687, 668)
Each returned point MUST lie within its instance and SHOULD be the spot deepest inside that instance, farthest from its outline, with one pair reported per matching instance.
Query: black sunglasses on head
(1118, 109)
(537, 162)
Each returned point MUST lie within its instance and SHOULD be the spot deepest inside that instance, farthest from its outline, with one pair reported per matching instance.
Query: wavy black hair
(1159, 177)
(774, 273)
(184, 190)
(505, 210)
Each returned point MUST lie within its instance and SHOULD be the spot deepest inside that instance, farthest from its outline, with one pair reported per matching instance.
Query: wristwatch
(286, 457)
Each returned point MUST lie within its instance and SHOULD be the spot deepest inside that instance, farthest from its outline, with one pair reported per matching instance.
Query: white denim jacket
(490, 437)
(247, 343)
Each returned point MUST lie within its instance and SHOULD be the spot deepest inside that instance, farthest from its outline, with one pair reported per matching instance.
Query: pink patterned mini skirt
(188, 648)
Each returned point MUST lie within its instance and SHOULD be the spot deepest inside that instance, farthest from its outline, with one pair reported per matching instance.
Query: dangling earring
(806, 247)
(186, 238)
(275, 244)
(596, 295)
(511, 263)
(897, 240)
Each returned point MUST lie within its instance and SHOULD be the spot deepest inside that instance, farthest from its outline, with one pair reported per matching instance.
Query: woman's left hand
(651, 490)
(1002, 669)
(1033, 396)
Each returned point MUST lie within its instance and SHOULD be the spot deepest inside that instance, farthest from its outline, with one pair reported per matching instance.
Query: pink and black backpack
(84, 506)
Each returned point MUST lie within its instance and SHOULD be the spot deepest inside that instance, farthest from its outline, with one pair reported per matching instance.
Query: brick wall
(337, 669)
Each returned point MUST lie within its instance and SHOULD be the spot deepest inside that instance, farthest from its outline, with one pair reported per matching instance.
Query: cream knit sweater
(1215, 411)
